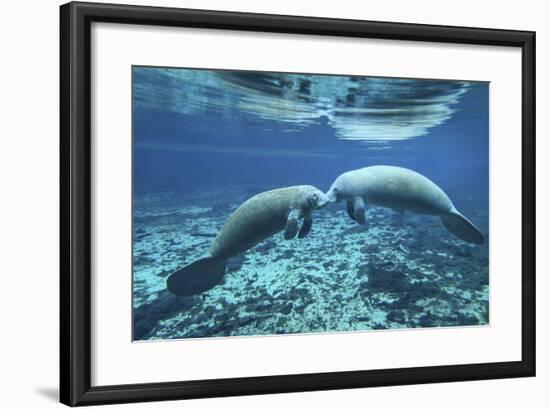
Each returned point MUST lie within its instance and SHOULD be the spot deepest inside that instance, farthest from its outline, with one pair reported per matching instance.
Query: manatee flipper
(306, 226)
(197, 277)
(359, 210)
(291, 228)
(350, 209)
(462, 228)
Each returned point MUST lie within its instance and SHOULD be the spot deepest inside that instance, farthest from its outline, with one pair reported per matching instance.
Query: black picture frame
(75, 203)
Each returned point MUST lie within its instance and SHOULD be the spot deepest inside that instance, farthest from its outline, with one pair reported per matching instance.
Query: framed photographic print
(263, 203)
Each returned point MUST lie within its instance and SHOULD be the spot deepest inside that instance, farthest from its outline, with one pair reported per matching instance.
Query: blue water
(204, 141)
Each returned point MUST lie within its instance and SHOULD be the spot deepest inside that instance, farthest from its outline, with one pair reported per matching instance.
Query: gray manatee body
(400, 189)
(258, 218)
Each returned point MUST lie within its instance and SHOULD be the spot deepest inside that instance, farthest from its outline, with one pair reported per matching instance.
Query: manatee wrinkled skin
(258, 218)
(400, 189)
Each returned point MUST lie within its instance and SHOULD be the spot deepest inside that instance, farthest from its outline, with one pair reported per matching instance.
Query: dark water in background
(205, 140)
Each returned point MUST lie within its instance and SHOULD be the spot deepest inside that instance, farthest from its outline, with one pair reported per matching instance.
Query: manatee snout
(320, 200)
(312, 199)
(333, 194)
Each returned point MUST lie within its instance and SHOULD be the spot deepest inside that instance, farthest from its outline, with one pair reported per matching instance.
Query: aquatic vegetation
(285, 287)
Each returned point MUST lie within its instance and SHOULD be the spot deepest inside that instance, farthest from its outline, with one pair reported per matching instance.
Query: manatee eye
(335, 189)
(315, 196)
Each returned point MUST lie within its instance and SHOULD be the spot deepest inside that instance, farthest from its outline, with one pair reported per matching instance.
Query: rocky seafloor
(341, 277)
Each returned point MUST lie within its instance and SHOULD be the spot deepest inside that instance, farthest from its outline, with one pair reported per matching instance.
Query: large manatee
(256, 219)
(400, 189)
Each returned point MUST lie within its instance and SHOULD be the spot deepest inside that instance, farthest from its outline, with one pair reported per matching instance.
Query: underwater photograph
(268, 203)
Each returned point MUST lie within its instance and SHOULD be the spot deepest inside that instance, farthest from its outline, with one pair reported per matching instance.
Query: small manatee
(255, 220)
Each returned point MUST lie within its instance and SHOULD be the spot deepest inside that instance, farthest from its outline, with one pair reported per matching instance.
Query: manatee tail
(197, 277)
(462, 228)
